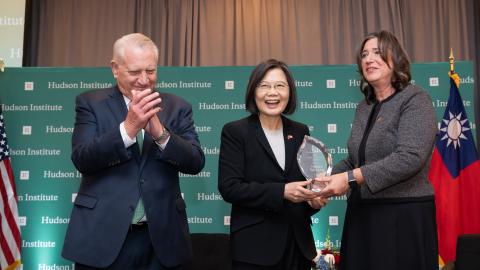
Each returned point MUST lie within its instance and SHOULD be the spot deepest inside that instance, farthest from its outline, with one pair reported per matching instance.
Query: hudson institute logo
(330, 83)
(24, 175)
(333, 220)
(229, 85)
(22, 220)
(27, 130)
(226, 220)
(433, 81)
(332, 128)
(454, 128)
(28, 86)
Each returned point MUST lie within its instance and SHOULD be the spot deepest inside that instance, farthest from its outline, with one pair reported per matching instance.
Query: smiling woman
(259, 176)
(390, 199)
(384, 66)
(271, 98)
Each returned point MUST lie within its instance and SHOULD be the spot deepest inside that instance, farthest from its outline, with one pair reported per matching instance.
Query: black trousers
(292, 259)
(136, 254)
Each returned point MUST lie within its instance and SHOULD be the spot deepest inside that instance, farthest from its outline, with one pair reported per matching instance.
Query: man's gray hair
(135, 40)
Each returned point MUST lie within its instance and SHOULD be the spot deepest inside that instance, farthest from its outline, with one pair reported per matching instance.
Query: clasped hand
(336, 185)
(142, 113)
(297, 192)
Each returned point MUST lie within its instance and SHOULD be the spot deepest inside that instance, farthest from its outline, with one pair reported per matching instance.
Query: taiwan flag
(455, 176)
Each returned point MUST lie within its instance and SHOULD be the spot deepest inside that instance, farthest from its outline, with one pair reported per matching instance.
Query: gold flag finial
(452, 62)
(2, 65)
(452, 73)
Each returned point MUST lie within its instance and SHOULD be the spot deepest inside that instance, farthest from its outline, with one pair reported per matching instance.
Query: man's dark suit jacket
(251, 179)
(114, 176)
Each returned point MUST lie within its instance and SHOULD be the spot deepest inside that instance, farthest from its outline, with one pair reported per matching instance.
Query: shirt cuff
(162, 145)
(127, 141)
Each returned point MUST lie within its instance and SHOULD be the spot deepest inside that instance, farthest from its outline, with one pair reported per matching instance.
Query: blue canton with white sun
(455, 141)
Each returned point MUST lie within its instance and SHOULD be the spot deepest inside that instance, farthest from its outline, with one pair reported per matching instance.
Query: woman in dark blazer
(260, 177)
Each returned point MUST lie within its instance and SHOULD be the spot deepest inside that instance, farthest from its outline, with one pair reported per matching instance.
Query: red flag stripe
(6, 252)
(448, 223)
(12, 211)
(10, 233)
(457, 204)
(10, 206)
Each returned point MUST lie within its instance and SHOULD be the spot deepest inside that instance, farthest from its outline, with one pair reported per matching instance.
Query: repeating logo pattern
(40, 116)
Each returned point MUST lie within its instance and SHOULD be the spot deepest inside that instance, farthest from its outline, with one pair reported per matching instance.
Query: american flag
(9, 230)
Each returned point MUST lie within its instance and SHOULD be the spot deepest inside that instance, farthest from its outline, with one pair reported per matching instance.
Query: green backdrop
(38, 106)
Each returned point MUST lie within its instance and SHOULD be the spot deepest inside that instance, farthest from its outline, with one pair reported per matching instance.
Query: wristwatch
(163, 137)
(352, 182)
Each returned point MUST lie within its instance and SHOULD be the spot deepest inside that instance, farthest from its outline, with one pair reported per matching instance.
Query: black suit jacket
(251, 179)
(113, 177)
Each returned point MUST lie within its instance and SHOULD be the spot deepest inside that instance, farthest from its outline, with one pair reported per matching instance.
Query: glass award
(314, 161)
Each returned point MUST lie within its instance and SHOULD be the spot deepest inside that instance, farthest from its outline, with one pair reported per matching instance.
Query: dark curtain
(31, 27)
(245, 32)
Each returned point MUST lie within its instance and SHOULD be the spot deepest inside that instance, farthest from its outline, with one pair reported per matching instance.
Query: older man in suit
(130, 142)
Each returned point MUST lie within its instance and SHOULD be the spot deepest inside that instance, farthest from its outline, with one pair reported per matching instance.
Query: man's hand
(154, 127)
(296, 192)
(142, 107)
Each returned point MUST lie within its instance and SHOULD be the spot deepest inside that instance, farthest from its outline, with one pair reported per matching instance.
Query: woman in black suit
(260, 177)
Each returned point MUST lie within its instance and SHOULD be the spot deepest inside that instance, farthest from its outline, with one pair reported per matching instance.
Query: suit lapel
(288, 138)
(117, 105)
(261, 138)
(290, 142)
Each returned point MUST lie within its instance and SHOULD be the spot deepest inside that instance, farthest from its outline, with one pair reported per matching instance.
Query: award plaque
(314, 161)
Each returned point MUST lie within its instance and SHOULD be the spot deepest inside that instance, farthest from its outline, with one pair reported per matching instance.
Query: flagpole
(452, 73)
(452, 62)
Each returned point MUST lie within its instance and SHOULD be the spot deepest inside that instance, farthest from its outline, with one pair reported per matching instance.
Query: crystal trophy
(314, 161)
